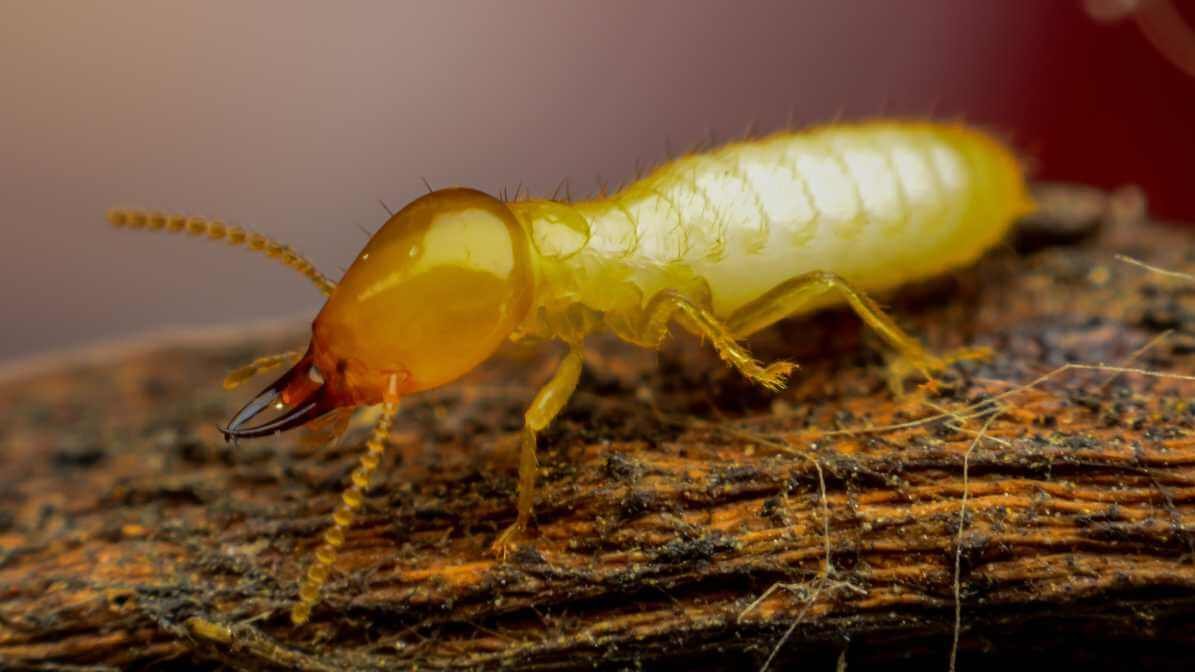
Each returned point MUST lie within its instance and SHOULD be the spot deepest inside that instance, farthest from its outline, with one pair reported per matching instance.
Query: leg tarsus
(792, 295)
(548, 402)
(670, 305)
(528, 470)
(900, 367)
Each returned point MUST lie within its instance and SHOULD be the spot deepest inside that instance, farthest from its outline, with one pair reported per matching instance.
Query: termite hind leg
(670, 305)
(547, 404)
(792, 295)
(342, 518)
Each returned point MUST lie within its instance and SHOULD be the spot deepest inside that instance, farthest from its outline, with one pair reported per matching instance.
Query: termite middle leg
(790, 296)
(670, 305)
(548, 402)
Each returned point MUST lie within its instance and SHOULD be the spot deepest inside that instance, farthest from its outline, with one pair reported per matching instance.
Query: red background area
(1103, 106)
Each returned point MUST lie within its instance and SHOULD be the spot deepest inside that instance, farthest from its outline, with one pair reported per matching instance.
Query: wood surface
(680, 520)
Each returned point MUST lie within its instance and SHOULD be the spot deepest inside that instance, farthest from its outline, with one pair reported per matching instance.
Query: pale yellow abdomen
(879, 203)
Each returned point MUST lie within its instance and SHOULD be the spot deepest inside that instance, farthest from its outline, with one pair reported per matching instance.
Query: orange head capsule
(433, 294)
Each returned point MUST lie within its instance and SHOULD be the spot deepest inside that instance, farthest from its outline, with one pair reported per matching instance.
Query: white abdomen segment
(880, 204)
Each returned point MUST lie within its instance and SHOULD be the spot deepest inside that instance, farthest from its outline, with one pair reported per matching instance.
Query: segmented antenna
(236, 377)
(217, 230)
(342, 517)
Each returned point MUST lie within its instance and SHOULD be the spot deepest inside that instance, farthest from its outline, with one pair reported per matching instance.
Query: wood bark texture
(680, 520)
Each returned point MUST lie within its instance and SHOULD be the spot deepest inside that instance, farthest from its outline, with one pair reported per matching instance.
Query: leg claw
(508, 541)
(902, 366)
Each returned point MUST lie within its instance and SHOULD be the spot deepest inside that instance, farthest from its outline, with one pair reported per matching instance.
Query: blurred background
(295, 118)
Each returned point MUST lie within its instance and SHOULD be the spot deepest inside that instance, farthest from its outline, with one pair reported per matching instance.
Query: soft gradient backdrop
(296, 117)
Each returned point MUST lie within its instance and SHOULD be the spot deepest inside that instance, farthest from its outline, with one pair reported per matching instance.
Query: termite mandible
(722, 243)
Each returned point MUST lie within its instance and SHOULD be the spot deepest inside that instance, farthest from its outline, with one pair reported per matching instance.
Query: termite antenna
(751, 130)
(238, 376)
(603, 188)
(668, 148)
(385, 207)
(568, 190)
(218, 230)
(518, 190)
(426, 185)
(342, 517)
(638, 168)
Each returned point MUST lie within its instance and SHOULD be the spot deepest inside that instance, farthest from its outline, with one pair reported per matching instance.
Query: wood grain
(673, 497)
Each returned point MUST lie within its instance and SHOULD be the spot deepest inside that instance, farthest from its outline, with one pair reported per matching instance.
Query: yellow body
(455, 272)
(878, 204)
(433, 294)
(721, 243)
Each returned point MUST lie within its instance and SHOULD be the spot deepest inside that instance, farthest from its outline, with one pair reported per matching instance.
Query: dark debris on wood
(680, 520)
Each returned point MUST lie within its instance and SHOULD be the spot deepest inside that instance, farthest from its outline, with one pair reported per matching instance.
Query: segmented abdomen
(878, 203)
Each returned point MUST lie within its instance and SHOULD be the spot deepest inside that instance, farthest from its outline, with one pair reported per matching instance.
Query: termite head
(432, 295)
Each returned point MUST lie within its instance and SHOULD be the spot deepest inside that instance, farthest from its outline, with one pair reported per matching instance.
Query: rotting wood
(674, 496)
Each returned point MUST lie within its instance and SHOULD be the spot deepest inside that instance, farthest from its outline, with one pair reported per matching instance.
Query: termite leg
(547, 403)
(790, 296)
(669, 305)
(342, 517)
(237, 376)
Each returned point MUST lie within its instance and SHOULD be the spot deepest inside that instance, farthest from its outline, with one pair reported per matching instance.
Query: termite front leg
(792, 295)
(670, 305)
(548, 402)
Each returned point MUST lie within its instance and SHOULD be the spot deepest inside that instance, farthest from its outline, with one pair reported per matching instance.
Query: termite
(722, 243)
